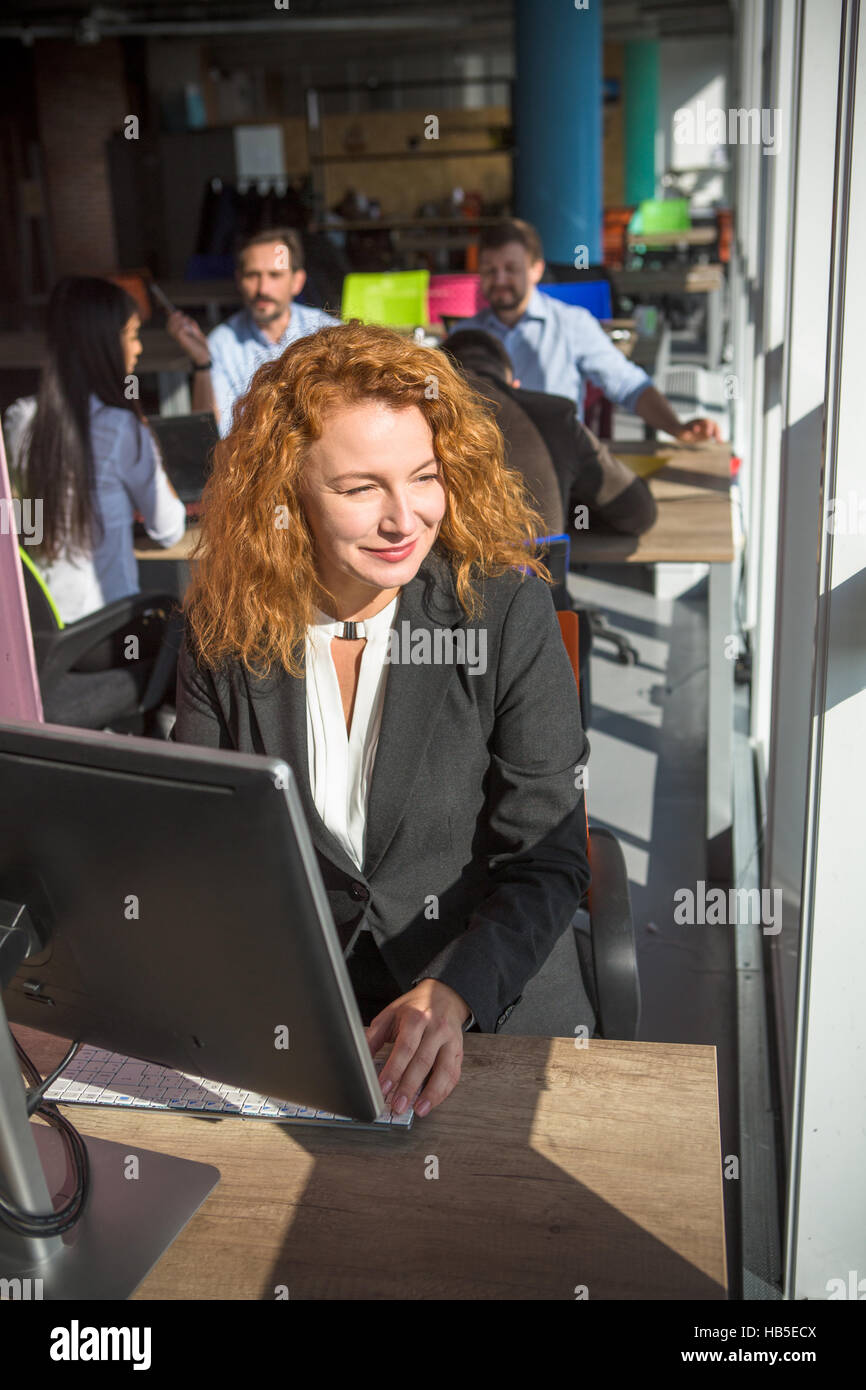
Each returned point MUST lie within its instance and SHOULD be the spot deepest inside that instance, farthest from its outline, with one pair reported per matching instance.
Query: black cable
(34, 1097)
(25, 1223)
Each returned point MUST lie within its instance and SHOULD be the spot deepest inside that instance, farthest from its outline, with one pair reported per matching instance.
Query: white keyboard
(94, 1077)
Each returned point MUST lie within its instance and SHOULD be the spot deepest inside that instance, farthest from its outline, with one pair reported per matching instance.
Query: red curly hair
(255, 587)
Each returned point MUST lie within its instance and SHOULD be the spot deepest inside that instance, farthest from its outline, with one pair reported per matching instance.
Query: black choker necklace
(352, 631)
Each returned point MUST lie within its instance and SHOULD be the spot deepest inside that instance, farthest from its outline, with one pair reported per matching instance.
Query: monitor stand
(133, 1212)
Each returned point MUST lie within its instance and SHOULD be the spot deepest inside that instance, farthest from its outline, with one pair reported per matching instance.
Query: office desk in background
(695, 525)
(685, 237)
(650, 285)
(558, 1167)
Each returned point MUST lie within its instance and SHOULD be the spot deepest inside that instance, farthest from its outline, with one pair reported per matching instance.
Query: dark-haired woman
(82, 451)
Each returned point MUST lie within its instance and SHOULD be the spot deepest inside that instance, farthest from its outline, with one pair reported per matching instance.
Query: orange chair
(135, 282)
(614, 235)
(609, 953)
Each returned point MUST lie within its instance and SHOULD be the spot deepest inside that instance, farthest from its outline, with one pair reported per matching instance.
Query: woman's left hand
(426, 1027)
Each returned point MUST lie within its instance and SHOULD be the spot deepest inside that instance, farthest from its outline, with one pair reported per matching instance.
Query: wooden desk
(160, 356)
(687, 236)
(673, 279)
(692, 492)
(694, 525)
(558, 1167)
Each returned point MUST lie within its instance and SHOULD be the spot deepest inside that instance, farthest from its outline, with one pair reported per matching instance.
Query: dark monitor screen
(183, 915)
(186, 443)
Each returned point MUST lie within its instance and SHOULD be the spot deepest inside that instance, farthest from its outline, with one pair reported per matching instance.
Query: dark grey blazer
(475, 852)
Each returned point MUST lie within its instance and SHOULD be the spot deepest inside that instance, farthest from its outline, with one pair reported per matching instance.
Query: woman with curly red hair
(368, 606)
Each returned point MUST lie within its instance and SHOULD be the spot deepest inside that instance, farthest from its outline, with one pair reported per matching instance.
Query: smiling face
(374, 498)
(508, 276)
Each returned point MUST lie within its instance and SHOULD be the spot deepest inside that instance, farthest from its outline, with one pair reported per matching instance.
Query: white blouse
(128, 476)
(341, 764)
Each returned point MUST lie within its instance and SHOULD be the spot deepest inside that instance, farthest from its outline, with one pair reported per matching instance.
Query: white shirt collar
(327, 627)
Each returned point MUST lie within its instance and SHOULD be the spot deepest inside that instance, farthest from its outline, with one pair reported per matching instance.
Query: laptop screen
(186, 443)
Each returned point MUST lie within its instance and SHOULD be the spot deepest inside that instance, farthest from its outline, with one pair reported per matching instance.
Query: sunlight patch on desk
(646, 1185)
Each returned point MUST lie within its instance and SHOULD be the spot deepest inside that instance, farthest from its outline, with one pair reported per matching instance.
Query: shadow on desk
(501, 1220)
(558, 1169)
(694, 478)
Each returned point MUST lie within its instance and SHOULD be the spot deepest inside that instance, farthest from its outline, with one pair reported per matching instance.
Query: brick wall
(81, 98)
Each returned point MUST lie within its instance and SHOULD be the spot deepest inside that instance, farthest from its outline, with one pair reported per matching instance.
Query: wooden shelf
(377, 155)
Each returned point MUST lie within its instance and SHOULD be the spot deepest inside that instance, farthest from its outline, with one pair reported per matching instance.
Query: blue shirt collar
(256, 333)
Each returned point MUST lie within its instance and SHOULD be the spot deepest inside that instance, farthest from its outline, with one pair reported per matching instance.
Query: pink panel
(19, 683)
(455, 295)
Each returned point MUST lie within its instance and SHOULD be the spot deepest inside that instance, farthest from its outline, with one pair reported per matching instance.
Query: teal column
(558, 123)
(641, 95)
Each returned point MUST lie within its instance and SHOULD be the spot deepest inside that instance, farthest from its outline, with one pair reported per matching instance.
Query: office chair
(555, 551)
(84, 678)
(661, 215)
(454, 297)
(594, 295)
(397, 298)
(565, 274)
(626, 654)
(607, 953)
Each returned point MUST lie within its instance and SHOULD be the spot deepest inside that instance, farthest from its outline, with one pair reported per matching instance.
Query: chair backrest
(44, 616)
(556, 553)
(135, 282)
(569, 630)
(569, 627)
(454, 296)
(593, 295)
(615, 222)
(19, 683)
(397, 299)
(661, 215)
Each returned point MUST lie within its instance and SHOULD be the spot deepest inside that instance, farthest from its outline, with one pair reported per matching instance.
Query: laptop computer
(186, 443)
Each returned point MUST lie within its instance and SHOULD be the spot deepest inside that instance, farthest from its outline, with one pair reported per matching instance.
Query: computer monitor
(171, 905)
(184, 919)
(186, 443)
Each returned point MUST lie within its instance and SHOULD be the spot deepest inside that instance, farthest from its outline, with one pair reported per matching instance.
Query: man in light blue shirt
(557, 347)
(270, 273)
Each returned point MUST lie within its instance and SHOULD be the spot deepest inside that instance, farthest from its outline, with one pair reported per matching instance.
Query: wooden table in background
(687, 236)
(693, 496)
(558, 1167)
(681, 279)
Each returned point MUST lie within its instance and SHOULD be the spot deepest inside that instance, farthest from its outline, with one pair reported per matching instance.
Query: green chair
(397, 299)
(661, 215)
(84, 677)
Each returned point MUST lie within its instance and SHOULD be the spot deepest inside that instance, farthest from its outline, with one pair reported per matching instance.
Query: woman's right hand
(187, 333)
